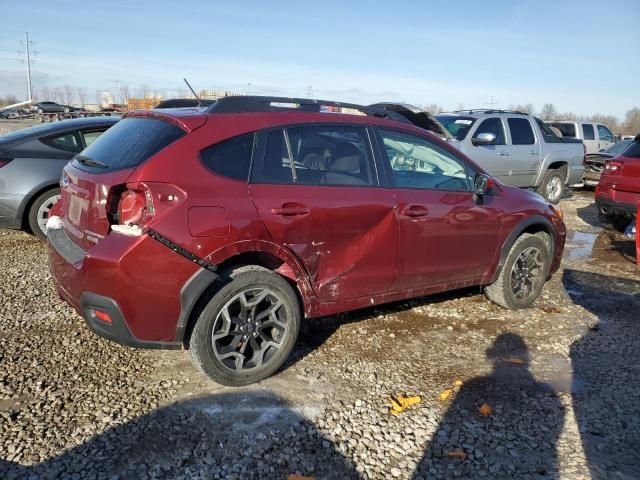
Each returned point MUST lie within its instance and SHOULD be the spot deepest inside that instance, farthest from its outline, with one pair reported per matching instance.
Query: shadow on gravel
(315, 332)
(517, 440)
(608, 358)
(253, 434)
(589, 215)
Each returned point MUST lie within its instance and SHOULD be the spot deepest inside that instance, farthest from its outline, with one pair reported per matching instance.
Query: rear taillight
(584, 154)
(4, 161)
(612, 166)
(135, 206)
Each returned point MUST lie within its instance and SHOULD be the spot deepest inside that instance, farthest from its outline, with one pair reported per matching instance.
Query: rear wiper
(90, 162)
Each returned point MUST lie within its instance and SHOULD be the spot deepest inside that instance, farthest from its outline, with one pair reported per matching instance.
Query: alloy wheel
(554, 188)
(526, 273)
(249, 329)
(43, 211)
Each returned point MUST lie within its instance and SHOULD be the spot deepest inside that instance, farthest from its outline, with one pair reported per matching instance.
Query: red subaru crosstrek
(218, 229)
(618, 192)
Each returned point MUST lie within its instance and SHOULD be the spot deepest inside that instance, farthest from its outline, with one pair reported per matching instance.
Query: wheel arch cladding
(199, 289)
(533, 225)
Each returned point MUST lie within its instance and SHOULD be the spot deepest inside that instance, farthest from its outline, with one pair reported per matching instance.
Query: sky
(582, 56)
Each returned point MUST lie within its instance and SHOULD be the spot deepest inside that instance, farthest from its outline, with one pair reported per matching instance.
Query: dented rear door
(345, 235)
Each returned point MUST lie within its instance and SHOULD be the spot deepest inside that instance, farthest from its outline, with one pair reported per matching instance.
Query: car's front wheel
(247, 329)
(39, 212)
(523, 274)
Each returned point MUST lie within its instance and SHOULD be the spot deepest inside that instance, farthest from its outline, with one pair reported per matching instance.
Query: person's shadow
(241, 435)
(517, 439)
(605, 361)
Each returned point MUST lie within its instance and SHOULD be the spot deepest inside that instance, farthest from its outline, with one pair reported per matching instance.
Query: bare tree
(526, 108)
(632, 121)
(608, 120)
(82, 95)
(68, 94)
(125, 94)
(99, 97)
(567, 116)
(432, 108)
(144, 91)
(548, 112)
(45, 94)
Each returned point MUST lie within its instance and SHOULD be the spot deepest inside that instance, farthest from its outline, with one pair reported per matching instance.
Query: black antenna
(192, 91)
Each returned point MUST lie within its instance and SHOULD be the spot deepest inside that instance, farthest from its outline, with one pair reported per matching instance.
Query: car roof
(45, 129)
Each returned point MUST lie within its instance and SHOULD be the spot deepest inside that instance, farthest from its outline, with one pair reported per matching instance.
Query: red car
(618, 192)
(218, 229)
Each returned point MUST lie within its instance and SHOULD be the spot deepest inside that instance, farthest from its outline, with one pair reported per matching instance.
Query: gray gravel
(75, 406)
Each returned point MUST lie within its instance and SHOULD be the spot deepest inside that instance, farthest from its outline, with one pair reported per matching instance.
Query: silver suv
(518, 149)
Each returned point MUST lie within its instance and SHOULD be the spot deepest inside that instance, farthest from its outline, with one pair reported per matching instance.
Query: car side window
(493, 126)
(418, 163)
(67, 141)
(521, 131)
(605, 134)
(587, 130)
(318, 155)
(90, 137)
(548, 134)
(230, 158)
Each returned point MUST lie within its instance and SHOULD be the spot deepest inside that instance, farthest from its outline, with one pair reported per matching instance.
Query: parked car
(51, 107)
(618, 192)
(596, 137)
(518, 149)
(595, 162)
(31, 162)
(418, 117)
(9, 113)
(218, 229)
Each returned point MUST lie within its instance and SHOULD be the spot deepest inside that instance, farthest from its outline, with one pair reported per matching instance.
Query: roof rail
(471, 111)
(255, 103)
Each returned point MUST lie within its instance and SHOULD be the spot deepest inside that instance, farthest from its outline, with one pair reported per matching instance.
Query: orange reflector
(102, 316)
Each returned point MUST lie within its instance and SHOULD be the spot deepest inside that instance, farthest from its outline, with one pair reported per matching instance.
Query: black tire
(502, 292)
(552, 187)
(37, 217)
(205, 352)
(614, 222)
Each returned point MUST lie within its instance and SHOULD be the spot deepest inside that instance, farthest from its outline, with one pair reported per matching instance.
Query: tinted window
(587, 130)
(67, 141)
(128, 143)
(632, 150)
(276, 167)
(618, 148)
(567, 129)
(548, 134)
(90, 137)
(521, 132)
(418, 163)
(605, 134)
(493, 126)
(321, 156)
(457, 125)
(231, 158)
(331, 155)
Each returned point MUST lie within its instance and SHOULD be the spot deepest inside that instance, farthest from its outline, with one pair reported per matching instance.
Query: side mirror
(483, 184)
(485, 138)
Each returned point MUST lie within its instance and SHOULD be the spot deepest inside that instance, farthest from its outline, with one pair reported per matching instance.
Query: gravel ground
(562, 381)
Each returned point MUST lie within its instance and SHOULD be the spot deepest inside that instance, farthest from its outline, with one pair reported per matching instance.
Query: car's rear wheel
(247, 329)
(523, 274)
(39, 212)
(552, 187)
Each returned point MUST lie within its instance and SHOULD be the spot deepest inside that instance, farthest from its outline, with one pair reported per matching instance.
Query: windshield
(618, 148)
(457, 125)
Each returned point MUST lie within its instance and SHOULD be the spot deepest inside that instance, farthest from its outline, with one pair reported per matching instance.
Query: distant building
(215, 94)
(143, 103)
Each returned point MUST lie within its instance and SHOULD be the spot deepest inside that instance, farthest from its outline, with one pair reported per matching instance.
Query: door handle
(414, 211)
(533, 152)
(504, 154)
(290, 211)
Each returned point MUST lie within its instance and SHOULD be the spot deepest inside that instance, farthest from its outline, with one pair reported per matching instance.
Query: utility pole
(27, 52)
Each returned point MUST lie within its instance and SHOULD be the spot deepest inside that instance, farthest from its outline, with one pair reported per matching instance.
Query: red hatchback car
(618, 192)
(218, 229)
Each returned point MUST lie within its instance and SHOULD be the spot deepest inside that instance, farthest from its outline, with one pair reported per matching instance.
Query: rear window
(588, 131)
(230, 158)
(567, 129)
(633, 151)
(548, 134)
(127, 144)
